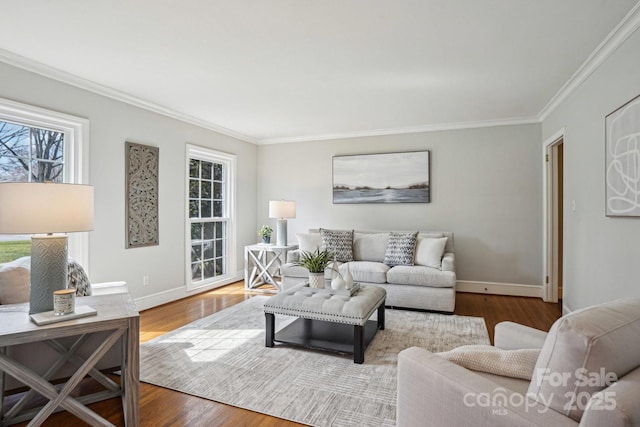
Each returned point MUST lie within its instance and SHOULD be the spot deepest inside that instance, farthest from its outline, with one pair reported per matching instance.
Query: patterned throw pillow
(77, 278)
(339, 243)
(401, 248)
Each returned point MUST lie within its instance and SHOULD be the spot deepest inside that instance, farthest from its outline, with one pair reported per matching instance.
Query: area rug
(223, 358)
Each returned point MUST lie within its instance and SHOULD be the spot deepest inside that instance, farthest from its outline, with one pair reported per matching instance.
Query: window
(210, 247)
(38, 145)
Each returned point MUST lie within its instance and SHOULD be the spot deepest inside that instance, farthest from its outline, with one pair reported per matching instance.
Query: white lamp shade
(282, 209)
(34, 208)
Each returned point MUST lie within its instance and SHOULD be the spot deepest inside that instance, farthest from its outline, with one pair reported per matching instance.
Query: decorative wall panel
(142, 195)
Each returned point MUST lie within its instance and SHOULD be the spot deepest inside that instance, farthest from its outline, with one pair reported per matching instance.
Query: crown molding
(397, 131)
(629, 24)
(79, 82)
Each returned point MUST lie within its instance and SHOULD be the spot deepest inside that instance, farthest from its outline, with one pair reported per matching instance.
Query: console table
(260, 261)
(81, 342)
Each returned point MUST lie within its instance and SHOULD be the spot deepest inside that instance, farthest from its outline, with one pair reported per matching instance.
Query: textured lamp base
(48, 271)
(281, 233)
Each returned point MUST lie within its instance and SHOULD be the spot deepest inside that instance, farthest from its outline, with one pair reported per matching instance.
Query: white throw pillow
(309, 242)
(15, 281)
(429, 251)
(485, 358)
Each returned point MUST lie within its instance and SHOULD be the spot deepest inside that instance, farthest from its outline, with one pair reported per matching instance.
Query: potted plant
(265, 232)
(315, 262)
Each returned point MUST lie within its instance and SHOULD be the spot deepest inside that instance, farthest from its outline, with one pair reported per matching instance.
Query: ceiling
(291, 70)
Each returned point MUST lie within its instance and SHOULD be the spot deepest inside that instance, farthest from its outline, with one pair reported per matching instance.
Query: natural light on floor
(203, 345)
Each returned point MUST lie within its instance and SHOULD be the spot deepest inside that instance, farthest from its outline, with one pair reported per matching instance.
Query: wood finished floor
(161, 407)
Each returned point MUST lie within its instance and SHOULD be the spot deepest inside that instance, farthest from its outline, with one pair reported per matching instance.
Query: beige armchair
(587, 374)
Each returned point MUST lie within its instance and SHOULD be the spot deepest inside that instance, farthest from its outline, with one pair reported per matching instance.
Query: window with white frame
(38, 145)
(210, 177)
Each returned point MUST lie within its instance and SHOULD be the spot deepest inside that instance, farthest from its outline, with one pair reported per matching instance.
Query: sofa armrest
(437, 392)
(513, 336)
(616, 405)
(106, 288)
(293, 256)
(449, 262)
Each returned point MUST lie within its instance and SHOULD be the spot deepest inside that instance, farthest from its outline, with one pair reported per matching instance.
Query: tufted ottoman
(326, 321)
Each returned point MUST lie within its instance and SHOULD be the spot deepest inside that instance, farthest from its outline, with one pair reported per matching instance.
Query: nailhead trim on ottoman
(318, 304)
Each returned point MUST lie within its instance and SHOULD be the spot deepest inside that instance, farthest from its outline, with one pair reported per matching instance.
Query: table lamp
(42, 209)
(282, 209)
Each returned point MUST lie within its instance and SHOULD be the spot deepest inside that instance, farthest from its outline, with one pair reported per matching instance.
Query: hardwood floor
(161, 407)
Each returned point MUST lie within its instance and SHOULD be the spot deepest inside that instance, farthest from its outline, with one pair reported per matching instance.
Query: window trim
(76, 151)
(229, 160)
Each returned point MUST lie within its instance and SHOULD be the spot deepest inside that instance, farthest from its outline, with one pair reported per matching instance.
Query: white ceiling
(285, 70)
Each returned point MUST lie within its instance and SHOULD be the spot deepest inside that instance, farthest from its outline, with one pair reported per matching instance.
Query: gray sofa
(587, 373)
(417, 286)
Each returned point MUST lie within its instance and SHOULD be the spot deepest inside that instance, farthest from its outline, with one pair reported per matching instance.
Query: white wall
(485, 187)
(113, 123)
(600, 253)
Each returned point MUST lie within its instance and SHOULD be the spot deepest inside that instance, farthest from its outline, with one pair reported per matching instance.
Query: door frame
(549, 256)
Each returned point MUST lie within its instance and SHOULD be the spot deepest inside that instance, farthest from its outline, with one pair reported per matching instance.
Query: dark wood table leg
(358, 344)
(381, 316)
(270, 326)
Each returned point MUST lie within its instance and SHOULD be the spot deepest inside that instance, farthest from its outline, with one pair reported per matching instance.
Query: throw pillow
(77, 278)
(400, 249)
(429, 251)
(15, 281)
(485, 358)
(339, 243)
(309, 242)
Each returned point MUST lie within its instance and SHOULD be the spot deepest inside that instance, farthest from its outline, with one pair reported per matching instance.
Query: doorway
(554, 171)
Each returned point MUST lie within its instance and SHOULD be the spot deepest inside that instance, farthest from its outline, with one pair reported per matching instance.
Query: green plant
(315, 261)
(265, 231)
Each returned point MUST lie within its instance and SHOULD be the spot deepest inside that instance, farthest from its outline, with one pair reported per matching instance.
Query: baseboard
(497, 288)
(164, 297)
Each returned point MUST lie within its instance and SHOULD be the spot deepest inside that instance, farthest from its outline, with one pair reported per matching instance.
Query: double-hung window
(38, 145)
(210, 246)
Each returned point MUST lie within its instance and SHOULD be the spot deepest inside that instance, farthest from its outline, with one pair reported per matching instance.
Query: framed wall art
(622, 160)
(142, 195)
(382, 178)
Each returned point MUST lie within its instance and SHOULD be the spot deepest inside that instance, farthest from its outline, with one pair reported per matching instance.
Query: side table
(117, 322)
(262, 265)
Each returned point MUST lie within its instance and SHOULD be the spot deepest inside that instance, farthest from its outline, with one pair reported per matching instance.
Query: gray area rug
(223, 358)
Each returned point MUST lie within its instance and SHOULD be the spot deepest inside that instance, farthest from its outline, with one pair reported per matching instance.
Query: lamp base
(281, 233)
(48, 270)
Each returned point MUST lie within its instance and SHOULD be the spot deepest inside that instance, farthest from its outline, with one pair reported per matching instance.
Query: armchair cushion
(15, 278)
(78, 279)
(584, 352)
(486, 358)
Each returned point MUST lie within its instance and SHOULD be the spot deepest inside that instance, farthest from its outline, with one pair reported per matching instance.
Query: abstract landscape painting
(382, 178)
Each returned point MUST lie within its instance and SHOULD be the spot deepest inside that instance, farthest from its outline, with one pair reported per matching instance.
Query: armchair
(587, 374)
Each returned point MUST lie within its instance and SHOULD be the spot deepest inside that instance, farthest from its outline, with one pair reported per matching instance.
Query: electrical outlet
(145, 280)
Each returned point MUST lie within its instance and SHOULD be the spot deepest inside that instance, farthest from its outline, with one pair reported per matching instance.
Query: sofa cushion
(309, 242)
(15, 281)
(370, 246)
(585, 351)
(339, 243)
(429, 251)
(366, 271)
(401, 249)
(421, 276)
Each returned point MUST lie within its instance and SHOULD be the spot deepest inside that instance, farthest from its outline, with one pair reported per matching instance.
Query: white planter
(316, 280)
